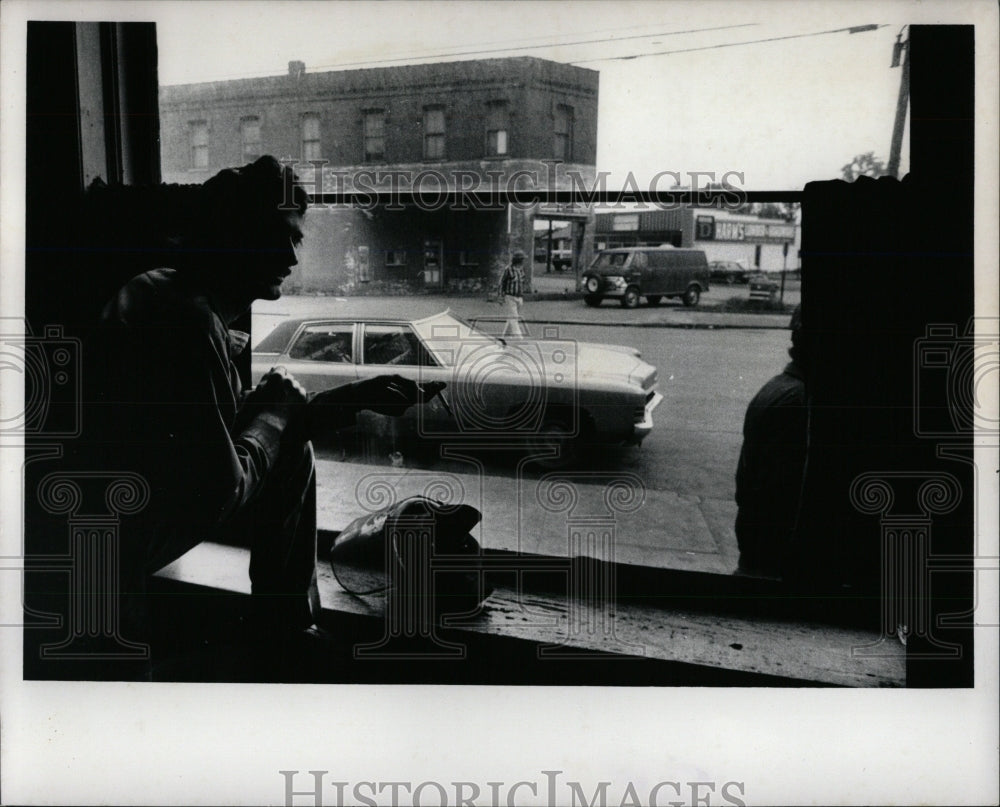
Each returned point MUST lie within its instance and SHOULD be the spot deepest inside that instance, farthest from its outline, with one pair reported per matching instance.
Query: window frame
(245, 121)
(367, 115)
(570, 134)
(390, 261)
(194, 148)
(438, 136)
(497, 113)
(304, 119)
(563, 140)
(349, 328)
(465, 260)
(404, 327)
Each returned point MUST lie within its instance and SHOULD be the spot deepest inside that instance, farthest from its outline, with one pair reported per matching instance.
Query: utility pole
(784, 269)
(548, 250)
(898, 48)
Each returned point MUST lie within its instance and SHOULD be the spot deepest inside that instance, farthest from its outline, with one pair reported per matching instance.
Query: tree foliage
(863, 165)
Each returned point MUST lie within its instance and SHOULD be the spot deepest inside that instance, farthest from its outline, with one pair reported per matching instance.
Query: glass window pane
(434, 146)
(391, 344)
(434, 120)
(199, 144)
(324, 343)
(374, 135)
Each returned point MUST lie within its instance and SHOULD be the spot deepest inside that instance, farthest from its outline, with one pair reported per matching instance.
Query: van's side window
(638, 260)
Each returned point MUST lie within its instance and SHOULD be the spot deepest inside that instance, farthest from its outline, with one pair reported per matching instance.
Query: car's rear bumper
(642, 429)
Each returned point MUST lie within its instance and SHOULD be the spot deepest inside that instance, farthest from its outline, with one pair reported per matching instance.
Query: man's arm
(179, 427)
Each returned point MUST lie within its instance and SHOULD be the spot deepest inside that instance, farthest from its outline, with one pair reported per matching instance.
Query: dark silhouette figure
(771, 466)
(221, 464)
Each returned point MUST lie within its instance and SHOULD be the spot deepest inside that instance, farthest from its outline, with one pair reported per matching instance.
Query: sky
(781, 112)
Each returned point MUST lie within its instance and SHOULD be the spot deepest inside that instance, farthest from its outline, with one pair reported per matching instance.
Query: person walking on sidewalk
(511, 294)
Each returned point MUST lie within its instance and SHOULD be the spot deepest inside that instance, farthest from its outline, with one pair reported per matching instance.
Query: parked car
(763, 287)
(551, 394)
(628, 273)
(729, 272)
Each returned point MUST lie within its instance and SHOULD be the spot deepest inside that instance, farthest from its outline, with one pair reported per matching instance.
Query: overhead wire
(508, 49)
(717, 46)
(451, 53)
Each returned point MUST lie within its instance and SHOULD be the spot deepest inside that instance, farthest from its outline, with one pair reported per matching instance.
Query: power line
(538, 47)
(478, 52)
(608, 36)
(852, 29)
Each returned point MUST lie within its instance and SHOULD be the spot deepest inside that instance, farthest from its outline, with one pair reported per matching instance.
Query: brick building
(486, 125)
(768, 245)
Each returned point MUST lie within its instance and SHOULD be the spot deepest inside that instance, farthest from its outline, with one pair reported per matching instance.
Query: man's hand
(384, 394)
(277, 393)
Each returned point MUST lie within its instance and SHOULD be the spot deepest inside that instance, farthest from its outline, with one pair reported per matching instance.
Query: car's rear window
(277, 340)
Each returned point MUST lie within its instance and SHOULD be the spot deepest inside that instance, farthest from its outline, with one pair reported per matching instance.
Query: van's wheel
(653, 299)
(631, 297)
(692, 296)
(593, 300)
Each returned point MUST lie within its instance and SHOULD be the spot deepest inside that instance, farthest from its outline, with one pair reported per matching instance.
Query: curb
(705, 326)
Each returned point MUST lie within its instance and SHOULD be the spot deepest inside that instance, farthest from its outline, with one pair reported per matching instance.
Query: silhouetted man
(771, 466)
(220, 464)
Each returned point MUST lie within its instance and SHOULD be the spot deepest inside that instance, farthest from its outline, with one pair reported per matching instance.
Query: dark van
(651, 272)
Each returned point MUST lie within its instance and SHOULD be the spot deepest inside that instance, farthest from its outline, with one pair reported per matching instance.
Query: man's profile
(222, 464)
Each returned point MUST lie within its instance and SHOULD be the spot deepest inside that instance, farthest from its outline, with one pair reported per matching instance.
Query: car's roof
(343, 318)
(279, 337)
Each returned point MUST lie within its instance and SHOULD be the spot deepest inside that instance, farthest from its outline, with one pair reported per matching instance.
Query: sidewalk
(567, 311)
(561, 514)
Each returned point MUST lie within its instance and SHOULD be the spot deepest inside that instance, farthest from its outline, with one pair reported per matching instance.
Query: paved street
(707, 376)
(669, 314)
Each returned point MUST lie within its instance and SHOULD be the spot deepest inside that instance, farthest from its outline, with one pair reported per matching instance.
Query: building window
(564, 133)
(395, 257)
(434, 133)
(497, 125)
(310, 137)
(468, 257)
(199, 144)
(374, 127)
(250, 137)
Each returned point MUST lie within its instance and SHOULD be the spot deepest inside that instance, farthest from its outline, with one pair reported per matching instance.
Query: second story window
(434, 133)
(563, 146)
(497, 123)
(374, 127)
(199, 144)
(250, 137)
(310, 137)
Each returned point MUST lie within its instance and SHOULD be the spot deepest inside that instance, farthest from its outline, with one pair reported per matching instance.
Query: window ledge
(798, 652)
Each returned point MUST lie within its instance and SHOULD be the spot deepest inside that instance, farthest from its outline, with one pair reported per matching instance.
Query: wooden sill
(801, 652)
